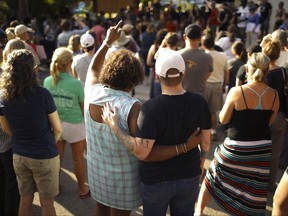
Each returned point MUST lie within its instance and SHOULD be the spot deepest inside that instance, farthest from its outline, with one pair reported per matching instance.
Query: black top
(234, 65)
(241, 74)
(275, 80)
(170, 120)
(250, 124)
(264, 11)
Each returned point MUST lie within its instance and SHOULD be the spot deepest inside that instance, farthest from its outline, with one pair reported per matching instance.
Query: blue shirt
(28, 119)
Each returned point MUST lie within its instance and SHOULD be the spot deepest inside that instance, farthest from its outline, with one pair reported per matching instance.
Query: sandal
(85, 196)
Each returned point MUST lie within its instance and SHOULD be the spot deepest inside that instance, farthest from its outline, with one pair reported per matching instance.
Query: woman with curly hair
(29, 115)
(113, 172)
(68, 94)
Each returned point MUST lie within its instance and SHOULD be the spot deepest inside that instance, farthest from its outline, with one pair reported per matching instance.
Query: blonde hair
(13, 44)
(272, 49)
(61, 57)
(259, 63)
(74, 43)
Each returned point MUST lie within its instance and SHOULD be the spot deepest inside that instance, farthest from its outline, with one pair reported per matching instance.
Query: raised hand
(113, 33)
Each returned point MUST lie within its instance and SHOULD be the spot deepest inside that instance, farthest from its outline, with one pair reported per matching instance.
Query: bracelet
(177, 150)
(185, 148)
(106, 43)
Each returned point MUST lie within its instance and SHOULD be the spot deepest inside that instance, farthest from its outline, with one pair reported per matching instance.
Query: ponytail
(54, 72)
(258, 75)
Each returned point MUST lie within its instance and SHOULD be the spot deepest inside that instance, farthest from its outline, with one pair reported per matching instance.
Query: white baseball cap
(168, 59)
(20, 29)
(86, 40)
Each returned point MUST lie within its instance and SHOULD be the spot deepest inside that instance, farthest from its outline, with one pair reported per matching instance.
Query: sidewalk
(68, 202)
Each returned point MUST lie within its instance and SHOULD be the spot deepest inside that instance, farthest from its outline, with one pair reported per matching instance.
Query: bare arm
(95, 66)
(82, 107)
(205, 146)
(55, 124)
(280, 199)
(5, 125)
(164, 152)
(226, 112)
(150, 56)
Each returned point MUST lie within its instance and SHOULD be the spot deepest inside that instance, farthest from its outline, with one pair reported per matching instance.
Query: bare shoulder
(234, 92)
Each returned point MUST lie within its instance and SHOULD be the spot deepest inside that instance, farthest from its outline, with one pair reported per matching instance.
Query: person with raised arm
(113, 170)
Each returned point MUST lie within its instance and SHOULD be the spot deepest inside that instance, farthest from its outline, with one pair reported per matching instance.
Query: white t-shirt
(226, 45)
(80, 65)
(220, 65)
(283, 58)
(244, 15)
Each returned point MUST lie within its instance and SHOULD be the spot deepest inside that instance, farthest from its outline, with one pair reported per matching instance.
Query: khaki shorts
(72, 133)
(37, 175)
(214, 96)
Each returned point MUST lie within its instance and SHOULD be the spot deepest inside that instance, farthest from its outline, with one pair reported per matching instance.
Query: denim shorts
(180, 195)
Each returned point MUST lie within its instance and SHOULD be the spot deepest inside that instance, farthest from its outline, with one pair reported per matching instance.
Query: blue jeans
(179, 195)
(9, 194)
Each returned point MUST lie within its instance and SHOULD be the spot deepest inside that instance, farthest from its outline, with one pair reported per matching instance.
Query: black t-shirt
(234, 66)
(241, 74)
(264, 11)
(170, 120)
(275, 80)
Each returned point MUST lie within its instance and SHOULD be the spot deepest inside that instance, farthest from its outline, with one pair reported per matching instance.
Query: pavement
(68, 202)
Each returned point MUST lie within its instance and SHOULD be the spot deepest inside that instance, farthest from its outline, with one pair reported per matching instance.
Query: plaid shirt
(5, 141)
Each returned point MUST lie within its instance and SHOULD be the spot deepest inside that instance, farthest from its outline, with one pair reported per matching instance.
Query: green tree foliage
(5, 11)
(36, 8)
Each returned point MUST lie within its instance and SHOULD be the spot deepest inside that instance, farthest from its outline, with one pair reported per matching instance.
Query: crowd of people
(210, 59)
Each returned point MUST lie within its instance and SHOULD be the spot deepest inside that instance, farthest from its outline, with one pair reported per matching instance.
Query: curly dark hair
(18, 75)
(122, 70)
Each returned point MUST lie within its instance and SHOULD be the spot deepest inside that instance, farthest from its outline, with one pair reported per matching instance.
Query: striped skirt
(238, 176)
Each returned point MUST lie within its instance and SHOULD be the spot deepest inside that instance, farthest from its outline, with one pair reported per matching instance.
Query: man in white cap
(169, 175)
(22, 32)
(81, 62)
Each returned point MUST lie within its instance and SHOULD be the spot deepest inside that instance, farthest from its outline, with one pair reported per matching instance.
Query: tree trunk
(23, 9)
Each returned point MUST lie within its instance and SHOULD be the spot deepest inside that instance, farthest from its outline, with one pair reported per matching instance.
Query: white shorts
(72, 132)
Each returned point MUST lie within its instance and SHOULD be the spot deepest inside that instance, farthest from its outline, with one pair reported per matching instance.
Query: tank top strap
(264, 91)
(259, 95)
(244, 97)
(259, 106)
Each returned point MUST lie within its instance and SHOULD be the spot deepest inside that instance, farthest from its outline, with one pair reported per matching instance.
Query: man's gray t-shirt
(198, 65)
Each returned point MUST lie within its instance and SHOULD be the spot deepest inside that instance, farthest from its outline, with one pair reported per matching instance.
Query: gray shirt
(80, 65)
(198, 66)
(63, 37)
